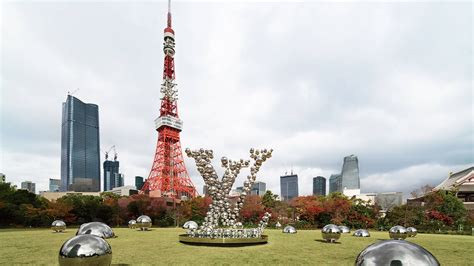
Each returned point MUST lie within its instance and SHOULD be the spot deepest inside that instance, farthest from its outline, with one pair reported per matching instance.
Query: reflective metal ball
(361, 233)
(398, 232)
(412, 231)
(85, 250)
(395, 252)
(144, 222)
(191, 225)
(97, 229)
(289, 230)
(132, 224)
(331, 233)
(344, 229)
(58, 226)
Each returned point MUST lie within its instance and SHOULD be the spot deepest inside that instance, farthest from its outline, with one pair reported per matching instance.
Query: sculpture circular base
(222, 242)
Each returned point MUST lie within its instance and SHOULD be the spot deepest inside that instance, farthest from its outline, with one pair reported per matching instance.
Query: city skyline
(393, 103)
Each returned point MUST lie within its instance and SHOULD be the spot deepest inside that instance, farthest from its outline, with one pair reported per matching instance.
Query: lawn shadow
(325, 242)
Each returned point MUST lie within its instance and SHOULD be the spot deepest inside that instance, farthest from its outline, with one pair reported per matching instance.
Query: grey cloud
(390, 82)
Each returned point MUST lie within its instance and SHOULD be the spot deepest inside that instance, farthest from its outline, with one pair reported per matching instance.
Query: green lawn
(161, 246)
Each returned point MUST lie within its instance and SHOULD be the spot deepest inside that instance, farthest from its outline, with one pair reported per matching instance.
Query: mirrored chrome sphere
(144, 222)
(191, 225)
(132, 224)
(85, 250)
(344, 229)
(398, 232)
(289, 230)
(412, 231)
(58, 226)
(97, 229)
(361, 233)
(395, 252)
(331, 233)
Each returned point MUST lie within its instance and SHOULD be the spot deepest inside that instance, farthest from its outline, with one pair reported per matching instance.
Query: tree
(252, 210)
(269, 199)
(308, 208)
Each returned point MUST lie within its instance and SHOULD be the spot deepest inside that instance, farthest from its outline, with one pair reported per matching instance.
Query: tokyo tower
(168, 176)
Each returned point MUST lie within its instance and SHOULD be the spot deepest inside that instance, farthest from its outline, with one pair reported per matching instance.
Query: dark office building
(139, 182)
(335, 183)
(112, 177)
(80, 162)
(319, 186)
(350, 173)
(258, 188)
(289, 187)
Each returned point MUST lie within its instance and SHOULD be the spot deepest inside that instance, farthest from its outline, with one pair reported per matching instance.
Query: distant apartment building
(289, 186)
(2, 178)
(124, 190)
(258, 188)
(54, 185)
(80, 162)
(139, 181)
(319, 186)
(28, 185)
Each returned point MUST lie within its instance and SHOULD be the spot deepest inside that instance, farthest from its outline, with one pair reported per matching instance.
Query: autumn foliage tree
(252, 210)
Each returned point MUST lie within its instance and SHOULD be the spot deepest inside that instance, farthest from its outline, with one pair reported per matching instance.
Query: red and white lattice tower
(168, 175)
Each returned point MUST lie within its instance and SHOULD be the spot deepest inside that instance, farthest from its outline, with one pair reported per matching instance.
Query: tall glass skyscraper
(80, 162)
(289, 186)
(112, 177)
(319, 186)
(350, 173)
(139, 182)
(335, 183)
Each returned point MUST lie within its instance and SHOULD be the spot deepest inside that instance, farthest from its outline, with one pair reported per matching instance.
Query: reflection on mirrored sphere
(96, 228)
(85, 250)
(331, 233)
(190, 225)
(412, 231)
(361, 233)
(344, 229)
(58, 226)
(144, 222)
(396, 252)
(289, 230)
(398, 232)
(132, 224)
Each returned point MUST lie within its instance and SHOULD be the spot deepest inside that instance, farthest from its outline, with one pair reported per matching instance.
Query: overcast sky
(389, 82)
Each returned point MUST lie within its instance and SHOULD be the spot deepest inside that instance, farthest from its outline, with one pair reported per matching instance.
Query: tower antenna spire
(169, 13)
